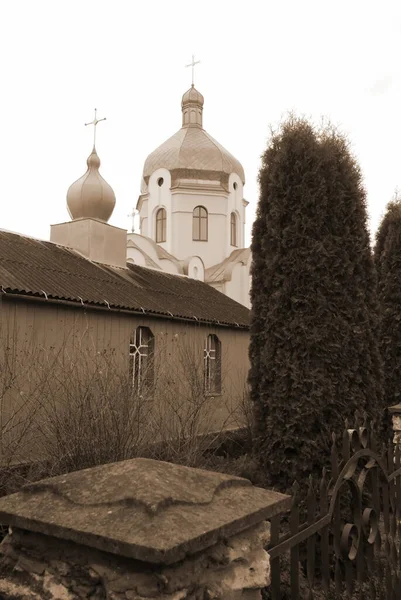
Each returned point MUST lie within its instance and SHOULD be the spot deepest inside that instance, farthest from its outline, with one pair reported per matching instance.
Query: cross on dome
(91, 197)
(192, 64)
(94, 123)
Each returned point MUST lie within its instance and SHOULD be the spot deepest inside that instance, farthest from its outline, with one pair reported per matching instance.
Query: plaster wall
(238, 287)
(211, 251)
(39, 340)
(159, 196)
(235, 204)
(94, 239)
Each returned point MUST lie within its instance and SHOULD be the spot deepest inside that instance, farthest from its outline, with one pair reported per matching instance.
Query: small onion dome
(192, 96)
(91, 196)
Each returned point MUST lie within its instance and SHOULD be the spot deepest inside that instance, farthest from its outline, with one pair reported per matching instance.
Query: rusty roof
(31, 267)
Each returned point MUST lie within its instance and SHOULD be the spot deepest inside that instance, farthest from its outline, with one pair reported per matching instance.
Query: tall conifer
(314, 351)
(388, 262)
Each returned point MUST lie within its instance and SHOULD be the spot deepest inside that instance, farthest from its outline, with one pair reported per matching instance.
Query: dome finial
(91, 196)
(192, 64)
(94, 123)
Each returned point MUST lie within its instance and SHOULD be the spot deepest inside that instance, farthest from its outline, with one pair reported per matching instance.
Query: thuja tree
(314, 351)
(388, 262)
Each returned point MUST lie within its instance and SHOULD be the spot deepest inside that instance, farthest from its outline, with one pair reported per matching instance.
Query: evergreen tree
(388, 262)
(314, 351)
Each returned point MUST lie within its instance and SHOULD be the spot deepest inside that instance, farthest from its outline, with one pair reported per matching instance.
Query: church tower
(192, 208)
(191, 201)
(90, 203)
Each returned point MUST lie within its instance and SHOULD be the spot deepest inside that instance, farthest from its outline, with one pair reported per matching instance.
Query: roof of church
(161, 253)
(223, 270)
(192, 148)
(37, 268)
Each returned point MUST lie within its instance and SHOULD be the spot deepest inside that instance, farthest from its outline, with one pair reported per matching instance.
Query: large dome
(192, 149)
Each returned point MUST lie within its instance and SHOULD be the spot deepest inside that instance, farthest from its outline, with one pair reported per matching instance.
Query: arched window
(233, 229)
(212, 365)
(141, 355)
(161, 222)
(199, 224)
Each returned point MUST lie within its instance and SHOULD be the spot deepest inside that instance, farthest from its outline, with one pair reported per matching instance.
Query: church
(192, 209)
(166, 309)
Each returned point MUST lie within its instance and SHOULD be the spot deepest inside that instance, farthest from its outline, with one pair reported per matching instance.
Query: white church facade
(192, 210)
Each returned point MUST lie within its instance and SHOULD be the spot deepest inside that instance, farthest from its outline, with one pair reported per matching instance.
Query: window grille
(141, 354)
(212, 365)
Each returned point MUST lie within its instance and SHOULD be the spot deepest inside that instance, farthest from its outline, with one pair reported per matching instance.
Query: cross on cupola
(94, 123)
(192, 64)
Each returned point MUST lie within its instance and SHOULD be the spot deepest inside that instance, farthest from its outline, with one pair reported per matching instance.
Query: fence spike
(295, 493)
(346, 445)
(323, 482)
(365, 420)
(334, 458)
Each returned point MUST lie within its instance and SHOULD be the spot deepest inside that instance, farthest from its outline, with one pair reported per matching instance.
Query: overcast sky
(259, 59)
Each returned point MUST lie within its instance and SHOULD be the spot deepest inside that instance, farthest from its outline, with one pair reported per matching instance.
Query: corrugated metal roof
(40, 268)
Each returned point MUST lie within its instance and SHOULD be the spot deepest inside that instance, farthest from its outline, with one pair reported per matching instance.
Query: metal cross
(94, 123)
(132, 215)
(192, 64)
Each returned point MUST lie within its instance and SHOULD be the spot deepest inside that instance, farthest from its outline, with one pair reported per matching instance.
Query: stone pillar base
(36, 566)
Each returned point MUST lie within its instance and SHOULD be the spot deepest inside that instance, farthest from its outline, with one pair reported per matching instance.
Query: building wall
(39, 340)
(238, 287)
(235, 204)
(179, 204)
(157, 197)
(211, 251)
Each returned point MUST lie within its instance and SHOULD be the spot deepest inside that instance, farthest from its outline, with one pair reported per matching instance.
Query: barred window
(233, 229)
(141, 354)
(212, 365)
(161, 222)
(199, 224)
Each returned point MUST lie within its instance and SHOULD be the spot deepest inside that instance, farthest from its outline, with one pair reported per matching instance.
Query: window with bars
(199, 224)
(161, 222)
(233, 229)
(141, 354)
(212, 365)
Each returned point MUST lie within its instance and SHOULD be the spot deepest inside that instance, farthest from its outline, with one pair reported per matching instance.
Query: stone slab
(144, 509)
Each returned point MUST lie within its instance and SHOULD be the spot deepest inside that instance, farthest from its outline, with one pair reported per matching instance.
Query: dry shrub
(79, 410)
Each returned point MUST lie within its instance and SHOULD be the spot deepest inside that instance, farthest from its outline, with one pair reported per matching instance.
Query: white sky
(259, 59)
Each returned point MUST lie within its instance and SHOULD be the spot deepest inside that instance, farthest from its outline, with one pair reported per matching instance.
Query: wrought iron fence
(348, 545)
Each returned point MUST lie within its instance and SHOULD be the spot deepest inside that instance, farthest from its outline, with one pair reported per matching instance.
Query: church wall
(136, 256)
(40, 340)
(143, 217)
(159, 197)
(238, 287)
(213, 250)
(144, 244)
(235, 204)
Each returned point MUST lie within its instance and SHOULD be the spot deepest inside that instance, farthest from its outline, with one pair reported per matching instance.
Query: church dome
(91, 196)
(192, 149)
(192, 95)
